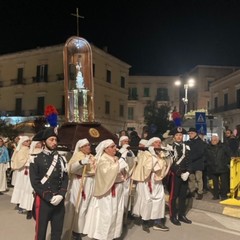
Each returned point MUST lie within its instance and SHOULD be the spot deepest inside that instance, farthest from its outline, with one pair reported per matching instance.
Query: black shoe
(160, 227)
(1, 193)
(130, 216)
(199, 196)
(76, 236)
(175, 221)
(29, 215)
(184, 219)
(191, 195)
(145, 227)
(215, 198)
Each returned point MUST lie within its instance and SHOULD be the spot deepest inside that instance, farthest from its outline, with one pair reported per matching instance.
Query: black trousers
(221, 187)
(177, 195)
(44, 213)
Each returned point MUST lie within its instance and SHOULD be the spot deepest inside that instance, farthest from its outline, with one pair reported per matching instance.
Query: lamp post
(189, 83)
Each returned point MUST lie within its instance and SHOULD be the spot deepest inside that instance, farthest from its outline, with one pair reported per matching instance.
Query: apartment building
(143, 89)
(32, 79)
(225, 99)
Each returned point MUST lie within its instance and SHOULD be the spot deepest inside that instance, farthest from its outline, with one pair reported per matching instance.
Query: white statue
(79, 76)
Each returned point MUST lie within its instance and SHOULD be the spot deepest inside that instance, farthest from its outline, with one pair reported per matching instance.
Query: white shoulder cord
(183, 154)
(50, 170)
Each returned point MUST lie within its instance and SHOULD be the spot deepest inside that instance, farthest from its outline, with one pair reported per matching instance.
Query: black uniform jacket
(57, 182)
(185, 164)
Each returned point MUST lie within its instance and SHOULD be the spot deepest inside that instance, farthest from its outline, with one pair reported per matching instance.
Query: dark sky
(156, 37)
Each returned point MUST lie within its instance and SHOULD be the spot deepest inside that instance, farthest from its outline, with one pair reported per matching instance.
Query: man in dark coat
(178, 178)
(218, 159)
(49, 179)
(197, 157)
(232, 142)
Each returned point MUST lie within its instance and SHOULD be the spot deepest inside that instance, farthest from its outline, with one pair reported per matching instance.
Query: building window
(107, 107)
(121, 110)
(146, 92)
(40, 105)
(109, 76)
(122, 82)
(132, 94)
(18, 107)
(130, 113)
(42, 73)
(215, 103)
(93, 68)
(20, 76)
(238, 98)
(225, 101)
(162, 94)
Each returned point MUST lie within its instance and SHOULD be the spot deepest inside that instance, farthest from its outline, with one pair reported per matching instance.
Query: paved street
(206, 225)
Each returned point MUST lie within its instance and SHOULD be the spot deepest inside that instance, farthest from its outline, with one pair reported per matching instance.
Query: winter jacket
(197, 153)
(218, 158)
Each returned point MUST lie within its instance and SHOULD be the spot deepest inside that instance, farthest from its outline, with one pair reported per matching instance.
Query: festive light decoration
(51, 115)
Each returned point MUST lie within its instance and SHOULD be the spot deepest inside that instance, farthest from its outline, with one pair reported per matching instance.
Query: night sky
(156, 37)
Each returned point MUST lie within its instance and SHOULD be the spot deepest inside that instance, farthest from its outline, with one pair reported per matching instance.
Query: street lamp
(189, 83)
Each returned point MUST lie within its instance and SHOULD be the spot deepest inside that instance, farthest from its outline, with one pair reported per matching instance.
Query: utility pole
(77, 16)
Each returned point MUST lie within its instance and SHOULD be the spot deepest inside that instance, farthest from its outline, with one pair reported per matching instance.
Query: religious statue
(79, 76)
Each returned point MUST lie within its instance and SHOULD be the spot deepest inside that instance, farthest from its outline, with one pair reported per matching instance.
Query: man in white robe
(104, 218)
(150, 197)
(19, 160)
(81, 169)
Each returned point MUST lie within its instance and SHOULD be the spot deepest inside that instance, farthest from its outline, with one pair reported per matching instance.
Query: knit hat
(192, 129)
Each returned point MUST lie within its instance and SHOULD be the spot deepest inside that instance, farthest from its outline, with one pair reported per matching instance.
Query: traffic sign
(200, 122)
(200, 117)
(201, 128)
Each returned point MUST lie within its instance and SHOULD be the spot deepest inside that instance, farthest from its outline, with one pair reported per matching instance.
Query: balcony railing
(133, 97)
(39, 79)
(21, 81)
(228, 107)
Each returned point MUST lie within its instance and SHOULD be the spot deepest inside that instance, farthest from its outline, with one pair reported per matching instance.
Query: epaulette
(32, 157)
(187, 147)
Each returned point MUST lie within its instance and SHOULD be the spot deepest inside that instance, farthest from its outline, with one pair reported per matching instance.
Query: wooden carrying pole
(68, 234)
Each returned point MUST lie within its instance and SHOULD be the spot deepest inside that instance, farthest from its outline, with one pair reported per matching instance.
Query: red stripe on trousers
(37, 212)
(172, 176)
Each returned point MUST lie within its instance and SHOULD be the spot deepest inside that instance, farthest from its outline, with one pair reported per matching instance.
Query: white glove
(125, 146)
(122, 150)
(56, 200)
(122, 164)
(124, 154)
(185, 176)
(85, 161)
(151, 150)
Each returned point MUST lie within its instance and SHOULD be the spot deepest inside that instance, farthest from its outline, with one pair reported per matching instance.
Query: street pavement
(207, 215)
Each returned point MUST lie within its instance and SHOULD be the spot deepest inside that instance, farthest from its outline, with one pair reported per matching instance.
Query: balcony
(228, 107)
(20, 81)
(133, 97)
(39, 79)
